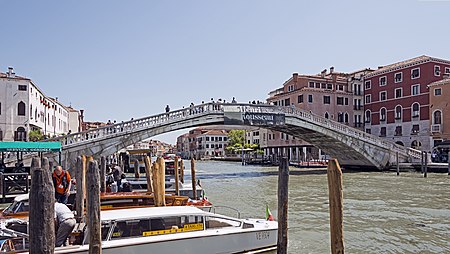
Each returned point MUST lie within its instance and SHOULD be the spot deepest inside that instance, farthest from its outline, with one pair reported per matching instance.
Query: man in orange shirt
(62, 184)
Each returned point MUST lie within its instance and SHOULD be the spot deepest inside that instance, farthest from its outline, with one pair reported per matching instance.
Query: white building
(212, 143)
(24, 107)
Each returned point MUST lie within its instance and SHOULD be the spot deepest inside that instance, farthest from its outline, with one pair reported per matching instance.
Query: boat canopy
(30, 147)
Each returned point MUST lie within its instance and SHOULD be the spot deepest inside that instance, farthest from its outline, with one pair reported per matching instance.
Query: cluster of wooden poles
(42, 197)
(336, 199)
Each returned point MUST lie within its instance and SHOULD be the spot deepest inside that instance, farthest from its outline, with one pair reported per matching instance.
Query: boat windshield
(16, 207)
(218, 222)
(154, 226)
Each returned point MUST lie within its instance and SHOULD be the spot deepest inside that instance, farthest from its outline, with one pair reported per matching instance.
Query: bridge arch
(351, 146)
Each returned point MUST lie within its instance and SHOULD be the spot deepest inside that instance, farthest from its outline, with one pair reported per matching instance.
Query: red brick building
(440, 110)
(397, 102)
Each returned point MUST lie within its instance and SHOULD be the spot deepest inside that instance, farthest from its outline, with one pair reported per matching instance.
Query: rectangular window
(368, 99)
(310, 98)
(367, 84)
(437, 91)
(225, 138)
(323, 86)
(383, 132)
(300, 98)
(415, 89)
(330, 86)
(340, 100)
(398, 130)
(311, 84)
(383, 96)
(22, 87)
(447, 70)
(437, 70)
(415, 73)
(290, 88)
(345, 101)
(207, 138)
(340, 87)
(326, 99)
(220, 138)
(398, 93)
(383, 81)
(207, 145)
(415, 129)
(369, 131)
(398, 77)
(317, 85)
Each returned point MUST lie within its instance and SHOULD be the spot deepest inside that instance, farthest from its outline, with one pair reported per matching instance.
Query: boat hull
(221, 242)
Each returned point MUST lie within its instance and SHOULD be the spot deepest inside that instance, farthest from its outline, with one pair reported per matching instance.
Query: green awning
(30, 147)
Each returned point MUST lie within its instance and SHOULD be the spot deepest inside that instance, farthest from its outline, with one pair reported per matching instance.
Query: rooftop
(407, 63)
(440, 82)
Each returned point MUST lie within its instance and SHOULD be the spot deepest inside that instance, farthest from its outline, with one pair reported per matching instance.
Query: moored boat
(180, 229)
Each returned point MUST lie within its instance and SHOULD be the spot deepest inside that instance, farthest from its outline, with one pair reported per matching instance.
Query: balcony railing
(436, 128)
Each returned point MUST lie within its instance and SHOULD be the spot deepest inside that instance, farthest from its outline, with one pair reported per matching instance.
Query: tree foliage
(236, 138)
(35, 135)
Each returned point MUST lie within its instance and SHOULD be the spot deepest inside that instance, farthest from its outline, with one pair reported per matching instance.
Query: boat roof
(146, 212)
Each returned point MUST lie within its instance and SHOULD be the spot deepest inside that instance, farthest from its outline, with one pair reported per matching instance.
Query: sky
(119, 60)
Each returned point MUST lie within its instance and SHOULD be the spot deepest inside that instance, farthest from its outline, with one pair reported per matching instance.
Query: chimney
(331, 69)
(295, 77)
(10, 73)
(323, 73)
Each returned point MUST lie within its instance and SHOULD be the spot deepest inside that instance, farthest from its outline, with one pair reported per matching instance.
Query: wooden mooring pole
(162, 181)
(148, 173)
(177, 176)
(426, 165)
(42, 209)
(182, 171)
(79, 196)
(336, 206)
(398, 166)
(194, 182)
(283, 182)
(102, 174)
(422, 163)
(93, 208)
(136, 168)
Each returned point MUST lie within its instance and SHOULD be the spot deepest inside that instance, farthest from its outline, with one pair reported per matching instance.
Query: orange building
(440, 110)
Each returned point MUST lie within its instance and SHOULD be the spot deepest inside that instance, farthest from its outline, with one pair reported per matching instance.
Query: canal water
(383, 212)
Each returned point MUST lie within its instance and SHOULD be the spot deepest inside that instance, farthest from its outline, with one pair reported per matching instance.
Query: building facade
(397, 100)
(24, 108)
(440, 110)
(202, 143)
(329, 94)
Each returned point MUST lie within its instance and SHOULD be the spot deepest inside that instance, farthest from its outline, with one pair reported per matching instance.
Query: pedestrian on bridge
(167, 109)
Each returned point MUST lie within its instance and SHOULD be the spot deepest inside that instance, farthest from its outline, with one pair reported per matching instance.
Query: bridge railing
(322, 121)
(137, 124)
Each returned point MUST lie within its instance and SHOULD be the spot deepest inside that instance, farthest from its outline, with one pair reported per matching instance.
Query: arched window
(400, 143)
(383, 114)
(398, 112)
(20, 134)
(437, 117)
(31, 111)
(346, 117)
(21, 108)
(368, 116)
(340, 117)
(1, 135)
(416, 144)
(415, 109)
(326, 115)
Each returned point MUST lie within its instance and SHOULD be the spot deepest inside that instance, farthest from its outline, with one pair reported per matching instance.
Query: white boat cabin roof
(149, 212)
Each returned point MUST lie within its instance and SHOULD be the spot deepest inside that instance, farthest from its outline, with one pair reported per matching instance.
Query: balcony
(436, 128)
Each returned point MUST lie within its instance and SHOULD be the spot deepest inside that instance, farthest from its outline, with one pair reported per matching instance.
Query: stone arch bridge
(352, 147)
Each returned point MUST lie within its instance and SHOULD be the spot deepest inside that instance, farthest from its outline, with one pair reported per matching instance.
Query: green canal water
(383, 212)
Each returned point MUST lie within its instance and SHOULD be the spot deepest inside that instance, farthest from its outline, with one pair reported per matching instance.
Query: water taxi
(182, 229)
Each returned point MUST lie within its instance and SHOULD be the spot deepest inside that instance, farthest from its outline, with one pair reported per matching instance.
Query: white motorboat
(178, 230)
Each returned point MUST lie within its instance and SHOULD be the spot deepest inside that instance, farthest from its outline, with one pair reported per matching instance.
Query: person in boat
(62, 183)
(64, 223)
